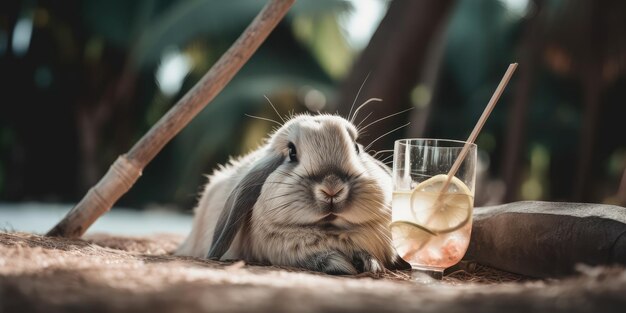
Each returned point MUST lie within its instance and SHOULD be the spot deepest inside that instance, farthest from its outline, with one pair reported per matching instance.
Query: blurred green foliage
(95, 77)
(113, 51)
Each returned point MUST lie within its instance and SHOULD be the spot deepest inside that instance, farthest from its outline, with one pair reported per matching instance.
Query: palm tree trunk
(515, 144)
(393, 59)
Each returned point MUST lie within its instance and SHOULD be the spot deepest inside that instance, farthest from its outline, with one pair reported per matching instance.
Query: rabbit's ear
(240, 202)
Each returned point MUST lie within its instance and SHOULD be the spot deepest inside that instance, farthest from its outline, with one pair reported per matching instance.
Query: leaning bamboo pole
(127, 168)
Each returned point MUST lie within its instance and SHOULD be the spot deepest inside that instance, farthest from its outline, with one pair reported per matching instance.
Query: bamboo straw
(127, 168)
(483, 118)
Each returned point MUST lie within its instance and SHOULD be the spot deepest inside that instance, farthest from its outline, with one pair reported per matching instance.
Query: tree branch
(127, 168)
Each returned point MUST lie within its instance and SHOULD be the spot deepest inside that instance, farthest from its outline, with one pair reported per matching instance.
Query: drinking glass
(431, 217)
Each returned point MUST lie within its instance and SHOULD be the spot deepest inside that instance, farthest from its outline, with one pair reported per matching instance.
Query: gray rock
(548, 239)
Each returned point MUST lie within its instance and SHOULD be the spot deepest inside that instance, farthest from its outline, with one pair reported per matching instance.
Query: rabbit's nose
(331, 189)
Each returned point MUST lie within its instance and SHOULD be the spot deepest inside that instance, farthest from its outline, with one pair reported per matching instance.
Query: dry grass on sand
(122, 274)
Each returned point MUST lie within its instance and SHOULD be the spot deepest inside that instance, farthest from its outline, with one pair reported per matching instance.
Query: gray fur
(328, 211)
(240, 203)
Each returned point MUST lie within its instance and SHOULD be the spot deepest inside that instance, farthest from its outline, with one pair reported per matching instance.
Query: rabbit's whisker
(273, 107)
(279, 196)
(357, 96)
(288, 174)
(308, 173)
(356, 112)
(371, 210)
(282, 206)
(383, 118)
(373, 215)
(381, 151)
(278, 183)
(386, 158)
(293, 180)
(359, 125)
(263, 119)
(387, 133)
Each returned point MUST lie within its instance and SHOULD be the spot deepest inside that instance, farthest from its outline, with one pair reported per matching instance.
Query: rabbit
(310, 197)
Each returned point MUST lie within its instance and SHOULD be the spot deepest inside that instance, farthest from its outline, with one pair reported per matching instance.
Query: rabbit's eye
(356, 147)
(293, 154)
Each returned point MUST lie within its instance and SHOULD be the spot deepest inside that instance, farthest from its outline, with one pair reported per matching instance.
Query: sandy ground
(137, 274)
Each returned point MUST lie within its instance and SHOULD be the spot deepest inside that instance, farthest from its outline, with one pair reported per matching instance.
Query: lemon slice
(442, 213)
(409, 238)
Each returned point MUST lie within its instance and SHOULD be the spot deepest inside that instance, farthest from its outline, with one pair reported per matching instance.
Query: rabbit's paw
(330, 262)
(365, 262)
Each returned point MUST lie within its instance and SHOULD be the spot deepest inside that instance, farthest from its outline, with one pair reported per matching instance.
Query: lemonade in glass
(432, 212)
